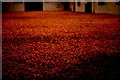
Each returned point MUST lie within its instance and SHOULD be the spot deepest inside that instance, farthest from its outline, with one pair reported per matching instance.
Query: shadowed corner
(53, 42)
(0, 7)
(0, 41)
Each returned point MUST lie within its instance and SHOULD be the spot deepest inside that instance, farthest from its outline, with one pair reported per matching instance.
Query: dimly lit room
(76, 40)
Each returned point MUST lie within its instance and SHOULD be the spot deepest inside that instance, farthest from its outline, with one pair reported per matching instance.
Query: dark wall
(66, 5)
(88, 7)
(4, 6)
(33, 6)
(12, 6)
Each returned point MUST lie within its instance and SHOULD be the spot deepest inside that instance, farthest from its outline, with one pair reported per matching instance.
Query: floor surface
(60, 45)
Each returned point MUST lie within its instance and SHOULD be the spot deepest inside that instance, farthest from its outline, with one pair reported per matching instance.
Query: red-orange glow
(61, 45)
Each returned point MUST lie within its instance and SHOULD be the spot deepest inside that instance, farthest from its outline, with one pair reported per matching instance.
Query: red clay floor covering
(60, 45)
